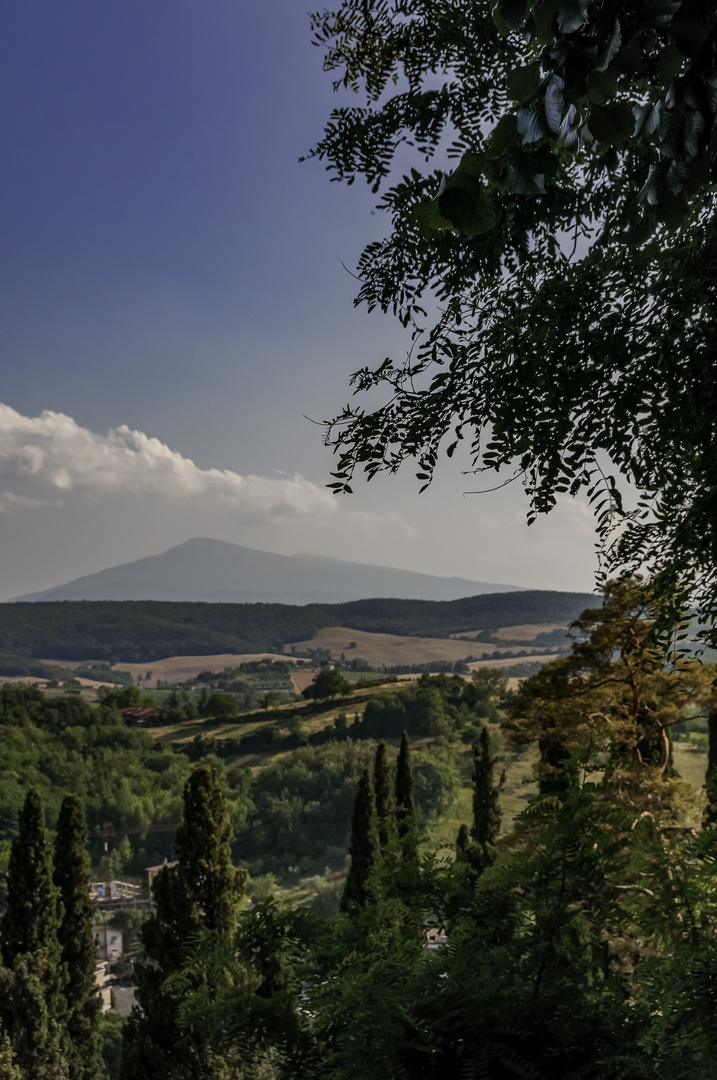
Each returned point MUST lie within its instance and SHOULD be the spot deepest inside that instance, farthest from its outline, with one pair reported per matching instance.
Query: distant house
(103, 982)
(108, 892)
(145, 716)
(109, 943)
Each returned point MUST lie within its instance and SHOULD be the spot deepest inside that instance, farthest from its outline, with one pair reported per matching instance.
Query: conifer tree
(8, 1068)
(486, 804)
(72, 878)
(201, 892)
(204, 854)
(405, 808)
(365, 846)
(384, 801)
(463, 841)
(32, 1002)
(710, 814)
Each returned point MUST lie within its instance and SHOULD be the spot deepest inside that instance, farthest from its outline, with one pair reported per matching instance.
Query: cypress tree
(365, 847)
(33, 1001)
(486, 803)
(201, 892)
(79, 952)
(463, 842)
(710, 814)
(204, 854)
(8, 1068)
(384, 802)
(405, 808)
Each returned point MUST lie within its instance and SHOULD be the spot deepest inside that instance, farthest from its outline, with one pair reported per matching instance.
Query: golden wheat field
(391, 649)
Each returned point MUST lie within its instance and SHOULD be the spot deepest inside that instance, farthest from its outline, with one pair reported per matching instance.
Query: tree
(200, 893)
(79, 952)
(711, 775)
(609, 705)
(384, 801)
(573, 248)
(33, 1005)
(8, 1069)
(365, 849)
(405, 808)
(328, 684)
(486, 804)
(204, 855)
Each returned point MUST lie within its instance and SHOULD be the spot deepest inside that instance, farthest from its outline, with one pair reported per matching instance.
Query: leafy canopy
(569, 233)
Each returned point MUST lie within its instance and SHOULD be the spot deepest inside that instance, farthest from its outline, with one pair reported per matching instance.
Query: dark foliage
(32, 999)
(142, 631)
(365, 847)
(384, 796)
(72, 878)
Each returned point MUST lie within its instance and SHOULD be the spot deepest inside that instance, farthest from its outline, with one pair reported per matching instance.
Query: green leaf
(544, 15)
(523, 82)
(503, 135)
(572, 15)
(611, 124)
(469, 211)
(430, 219)
(602, 86)
(509, 15)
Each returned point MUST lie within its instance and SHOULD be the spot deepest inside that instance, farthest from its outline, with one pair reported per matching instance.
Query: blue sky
(171, 269)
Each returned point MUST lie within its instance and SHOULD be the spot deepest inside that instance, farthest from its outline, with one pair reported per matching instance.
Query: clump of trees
(201, 893)
(579, 944)
(49, 1006)
(328, 684)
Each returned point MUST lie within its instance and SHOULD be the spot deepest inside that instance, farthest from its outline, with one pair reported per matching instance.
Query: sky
(176, 316)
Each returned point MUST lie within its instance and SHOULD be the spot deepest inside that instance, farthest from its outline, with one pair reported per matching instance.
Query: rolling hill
(141, 631)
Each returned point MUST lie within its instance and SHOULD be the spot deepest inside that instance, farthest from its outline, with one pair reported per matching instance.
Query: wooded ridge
(144, 630)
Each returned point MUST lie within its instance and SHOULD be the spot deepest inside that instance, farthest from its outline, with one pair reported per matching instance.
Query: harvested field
(33, 680)
(391, 649)
(525, 632)
(534, 658)
(176, 669)
(301, 679)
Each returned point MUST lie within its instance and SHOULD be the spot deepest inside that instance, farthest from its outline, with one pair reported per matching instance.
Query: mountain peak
(203, 569)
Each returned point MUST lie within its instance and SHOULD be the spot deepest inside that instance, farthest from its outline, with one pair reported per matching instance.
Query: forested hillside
(139, 631)
(291, 808)
(572, 939)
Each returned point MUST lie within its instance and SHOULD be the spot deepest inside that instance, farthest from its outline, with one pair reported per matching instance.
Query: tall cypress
(201, 892)
(204, 854)
(486, 802)
(8, 1068)
(384, 800)
(365, 847)
(710, 814)
(405, 808)
(79, 952)
(33, 1005)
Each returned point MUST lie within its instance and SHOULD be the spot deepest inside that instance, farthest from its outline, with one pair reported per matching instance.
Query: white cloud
(45, 457)
(371, 524)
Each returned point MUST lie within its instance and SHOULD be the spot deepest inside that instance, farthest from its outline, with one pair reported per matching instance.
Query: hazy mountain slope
(212, 571)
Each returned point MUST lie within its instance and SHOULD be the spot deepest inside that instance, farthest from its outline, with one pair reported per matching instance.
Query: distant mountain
(213, 571)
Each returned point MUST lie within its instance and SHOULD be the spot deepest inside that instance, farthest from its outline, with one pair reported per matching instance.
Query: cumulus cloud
(371, 523)
(46, 457)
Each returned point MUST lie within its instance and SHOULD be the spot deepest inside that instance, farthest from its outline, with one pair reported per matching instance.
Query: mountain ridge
(203, 570)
